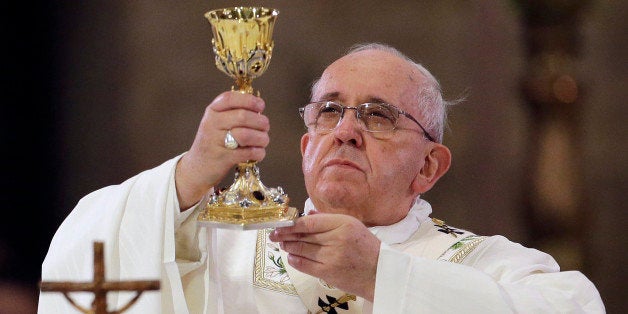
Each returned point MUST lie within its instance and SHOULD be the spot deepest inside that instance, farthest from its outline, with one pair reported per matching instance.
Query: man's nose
(348, 129)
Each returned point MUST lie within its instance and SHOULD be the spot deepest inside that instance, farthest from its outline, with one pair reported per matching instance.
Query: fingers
(236, 100)
(251, 145)
(336, 248)
(309, 251)
(208, 161)
(304, 264)
(311, 224)
(237, 118)
(310, 258)
(249, 138)
(239, 113)
(312, 235)
(235, 110)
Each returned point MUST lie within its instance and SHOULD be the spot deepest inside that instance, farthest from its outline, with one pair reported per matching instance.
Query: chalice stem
(245, 84)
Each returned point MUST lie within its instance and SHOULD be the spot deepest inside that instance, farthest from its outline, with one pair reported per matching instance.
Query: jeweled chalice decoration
(243, 47)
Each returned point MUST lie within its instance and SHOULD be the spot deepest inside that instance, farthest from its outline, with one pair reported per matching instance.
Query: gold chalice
(243, 47)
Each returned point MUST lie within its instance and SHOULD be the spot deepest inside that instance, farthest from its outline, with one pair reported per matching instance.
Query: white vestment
(424, 266)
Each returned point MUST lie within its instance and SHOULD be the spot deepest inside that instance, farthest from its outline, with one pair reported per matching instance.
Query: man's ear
(435, 165)
(304, 140)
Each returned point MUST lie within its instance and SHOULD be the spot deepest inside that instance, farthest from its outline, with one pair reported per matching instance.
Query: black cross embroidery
(342, 302)
(445, 228)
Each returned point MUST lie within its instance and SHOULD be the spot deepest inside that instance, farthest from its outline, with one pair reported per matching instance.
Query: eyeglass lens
(373, 117)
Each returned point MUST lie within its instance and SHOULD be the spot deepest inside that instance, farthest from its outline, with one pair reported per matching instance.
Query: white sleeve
(135, 220)
(498, 277)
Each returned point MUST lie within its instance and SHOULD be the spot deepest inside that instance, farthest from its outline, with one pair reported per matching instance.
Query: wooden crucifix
(100, 287)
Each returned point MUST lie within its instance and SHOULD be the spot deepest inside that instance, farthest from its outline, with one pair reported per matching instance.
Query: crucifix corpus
(100, 287)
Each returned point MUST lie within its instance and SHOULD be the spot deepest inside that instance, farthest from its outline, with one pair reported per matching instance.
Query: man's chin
(339, 194)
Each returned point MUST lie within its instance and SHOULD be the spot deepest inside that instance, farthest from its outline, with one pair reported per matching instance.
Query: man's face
(354, 172)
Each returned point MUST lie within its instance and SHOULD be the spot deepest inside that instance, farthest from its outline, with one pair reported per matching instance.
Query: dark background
(97, 91)
(30, 180)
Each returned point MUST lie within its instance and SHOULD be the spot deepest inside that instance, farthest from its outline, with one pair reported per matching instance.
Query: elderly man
(367, 244)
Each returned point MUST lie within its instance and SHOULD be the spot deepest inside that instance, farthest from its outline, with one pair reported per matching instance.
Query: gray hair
(432, 106)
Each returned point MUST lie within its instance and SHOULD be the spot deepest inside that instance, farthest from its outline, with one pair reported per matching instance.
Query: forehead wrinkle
(337, 96)
(328, 96)
(377, 100)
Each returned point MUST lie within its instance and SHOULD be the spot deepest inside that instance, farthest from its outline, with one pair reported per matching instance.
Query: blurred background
(98, 91)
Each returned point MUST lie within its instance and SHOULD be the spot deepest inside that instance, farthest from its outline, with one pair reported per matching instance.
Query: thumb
(313, 212)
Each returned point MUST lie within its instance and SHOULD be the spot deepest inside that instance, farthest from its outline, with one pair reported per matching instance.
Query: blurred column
(555, 200)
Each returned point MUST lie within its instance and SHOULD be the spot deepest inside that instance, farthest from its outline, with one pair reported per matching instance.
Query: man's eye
(378, 114)
(329, 109)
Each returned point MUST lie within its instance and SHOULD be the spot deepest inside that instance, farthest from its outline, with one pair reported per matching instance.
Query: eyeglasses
(324, 116)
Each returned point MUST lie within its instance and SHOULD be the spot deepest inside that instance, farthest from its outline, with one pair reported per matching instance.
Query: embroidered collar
(401, 230)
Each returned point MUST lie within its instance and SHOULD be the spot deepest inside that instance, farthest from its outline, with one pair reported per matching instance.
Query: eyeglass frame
(342, 114)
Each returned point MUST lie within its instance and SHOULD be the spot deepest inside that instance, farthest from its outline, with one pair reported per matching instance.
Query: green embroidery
(278, 262)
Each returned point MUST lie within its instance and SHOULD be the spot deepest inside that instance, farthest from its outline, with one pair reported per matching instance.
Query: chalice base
(248, 204)
(234, 217)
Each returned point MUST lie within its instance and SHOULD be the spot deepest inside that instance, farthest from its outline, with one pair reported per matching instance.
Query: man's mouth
(342, 163)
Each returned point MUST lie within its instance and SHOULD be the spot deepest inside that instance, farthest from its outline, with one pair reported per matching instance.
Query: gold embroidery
(260, 279)
(465, 250)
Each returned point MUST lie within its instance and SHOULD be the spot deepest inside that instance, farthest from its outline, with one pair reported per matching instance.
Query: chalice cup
(242, 44)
